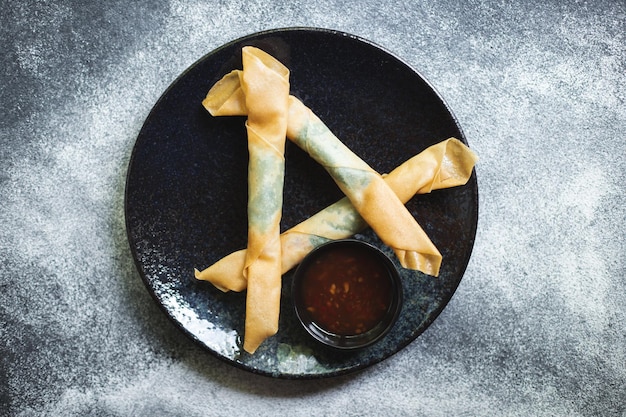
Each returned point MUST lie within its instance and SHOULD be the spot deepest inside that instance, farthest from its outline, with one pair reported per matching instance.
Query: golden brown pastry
(265, 85)
(363, 186)
(444, 165)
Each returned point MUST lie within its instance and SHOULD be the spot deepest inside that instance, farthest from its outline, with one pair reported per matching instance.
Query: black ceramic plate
(187, 183)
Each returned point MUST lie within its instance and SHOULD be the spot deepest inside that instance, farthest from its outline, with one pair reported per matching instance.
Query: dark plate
(187, 183)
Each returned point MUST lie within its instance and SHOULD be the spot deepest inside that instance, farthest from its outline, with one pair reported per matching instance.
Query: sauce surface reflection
(347, 291)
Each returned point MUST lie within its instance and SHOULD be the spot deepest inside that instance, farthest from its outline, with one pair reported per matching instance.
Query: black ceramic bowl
(347, 294)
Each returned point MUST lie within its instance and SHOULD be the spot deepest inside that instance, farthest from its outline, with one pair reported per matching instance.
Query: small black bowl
(347, 294)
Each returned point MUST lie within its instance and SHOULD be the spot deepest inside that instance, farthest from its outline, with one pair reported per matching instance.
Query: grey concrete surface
(538, 325)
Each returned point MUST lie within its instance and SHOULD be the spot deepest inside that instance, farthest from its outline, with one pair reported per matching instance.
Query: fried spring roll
(444, 165)
(366, 190)
(363, 186)
(265, 85)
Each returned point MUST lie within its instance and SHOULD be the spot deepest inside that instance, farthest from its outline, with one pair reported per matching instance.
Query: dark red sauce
(347, 291)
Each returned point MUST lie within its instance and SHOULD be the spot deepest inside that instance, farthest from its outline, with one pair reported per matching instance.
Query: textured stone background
(538, 325)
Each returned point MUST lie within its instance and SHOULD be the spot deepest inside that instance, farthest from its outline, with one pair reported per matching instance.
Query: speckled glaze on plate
(186, 193)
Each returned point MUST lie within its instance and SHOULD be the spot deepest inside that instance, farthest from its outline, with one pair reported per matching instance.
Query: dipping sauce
(348, 290)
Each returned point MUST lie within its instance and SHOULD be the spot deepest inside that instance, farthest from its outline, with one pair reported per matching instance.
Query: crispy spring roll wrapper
(363, 186)
(265, 84)
(444, 165)
(366, 190)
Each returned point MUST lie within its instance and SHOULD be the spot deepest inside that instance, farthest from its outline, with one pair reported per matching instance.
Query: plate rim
(277, 374)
